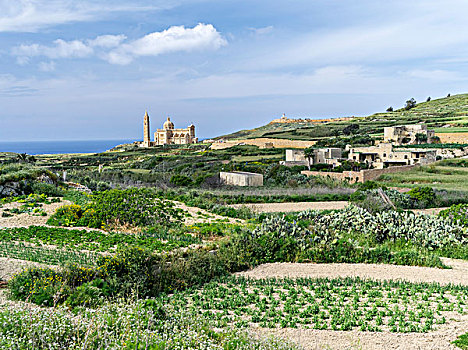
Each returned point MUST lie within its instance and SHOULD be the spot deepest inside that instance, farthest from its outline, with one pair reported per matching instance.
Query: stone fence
(360, 176)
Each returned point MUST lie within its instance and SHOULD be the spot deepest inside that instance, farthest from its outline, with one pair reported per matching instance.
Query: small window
(406, 156)
(385, 154)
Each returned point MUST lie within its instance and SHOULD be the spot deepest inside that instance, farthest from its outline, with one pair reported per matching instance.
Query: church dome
(168, 124)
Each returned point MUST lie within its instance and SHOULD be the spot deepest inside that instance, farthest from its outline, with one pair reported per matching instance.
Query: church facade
(168, 135)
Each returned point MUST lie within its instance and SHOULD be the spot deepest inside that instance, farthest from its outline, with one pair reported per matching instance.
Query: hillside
(445, 115)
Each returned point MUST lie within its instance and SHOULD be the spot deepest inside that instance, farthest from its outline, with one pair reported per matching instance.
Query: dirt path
(457, 275)
(198, 215)
(291, 207)
(9, 267)
(25, 219)
(431, 211)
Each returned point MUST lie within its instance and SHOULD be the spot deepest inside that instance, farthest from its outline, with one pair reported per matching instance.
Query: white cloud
(61, 49)
(47, 66)
(107, 41)
(263, 30)
(174, 39)
(33, 15)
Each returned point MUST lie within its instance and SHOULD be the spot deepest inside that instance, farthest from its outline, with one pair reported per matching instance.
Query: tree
(350, 129)
(410, 104)
(25, 158)
(421, 138)
(435, 139)
(390, 109)
(309, 153)
(428, 99)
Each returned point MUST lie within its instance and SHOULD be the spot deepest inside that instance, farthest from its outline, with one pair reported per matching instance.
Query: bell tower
(146, 130)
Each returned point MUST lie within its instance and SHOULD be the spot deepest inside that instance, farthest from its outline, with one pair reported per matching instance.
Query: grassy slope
(436, 114)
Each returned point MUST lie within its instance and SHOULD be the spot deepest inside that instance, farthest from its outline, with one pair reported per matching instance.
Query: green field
(441, 175)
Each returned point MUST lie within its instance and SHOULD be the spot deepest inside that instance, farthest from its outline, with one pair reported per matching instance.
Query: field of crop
(336, 304)
(443, 175)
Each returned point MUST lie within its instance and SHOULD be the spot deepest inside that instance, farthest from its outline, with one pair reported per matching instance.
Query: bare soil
(311, 339)
(458, 274)
(10, 267)
(292, 207)
(197, 215)
(26, 219)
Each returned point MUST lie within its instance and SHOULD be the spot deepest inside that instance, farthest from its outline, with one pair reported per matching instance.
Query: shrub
(42, 286)
(89, 294)
(67, 215)
(181, 180)
(134, 207)
(456, 213)
(425, 195)
(47, 189)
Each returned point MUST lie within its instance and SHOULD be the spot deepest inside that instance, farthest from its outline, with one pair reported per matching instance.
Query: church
(168, 135)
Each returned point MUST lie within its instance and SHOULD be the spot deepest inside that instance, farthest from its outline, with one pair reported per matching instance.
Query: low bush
(134, 207)
(41, 286)
(456, 213)
(424, 195)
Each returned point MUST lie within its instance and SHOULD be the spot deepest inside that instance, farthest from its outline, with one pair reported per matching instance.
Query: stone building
(146, 130)
(384, 155)
(406, 134)
(168, 135)
(319, 156)
(241, 178)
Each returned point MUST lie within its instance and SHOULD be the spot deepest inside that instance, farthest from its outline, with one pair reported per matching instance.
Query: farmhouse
(241, 178)
(408, 134)
(319, 156)
(384, 155)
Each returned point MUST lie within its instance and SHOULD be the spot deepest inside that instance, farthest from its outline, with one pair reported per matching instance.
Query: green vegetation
(462, 341)
(46, 255)
(335, 304)
(136, 324)
(456, 213)
(134, 207)
(93, 240)
(450, 174)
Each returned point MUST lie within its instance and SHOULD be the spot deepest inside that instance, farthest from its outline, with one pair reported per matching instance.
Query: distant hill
(445, 115)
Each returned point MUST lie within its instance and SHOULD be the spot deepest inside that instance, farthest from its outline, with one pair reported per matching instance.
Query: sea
(58, 147)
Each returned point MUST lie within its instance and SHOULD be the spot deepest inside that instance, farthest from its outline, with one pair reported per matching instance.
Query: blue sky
(88, 69)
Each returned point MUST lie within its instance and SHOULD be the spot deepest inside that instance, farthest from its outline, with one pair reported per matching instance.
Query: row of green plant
(93, 240)
(46, 255)
(337, 304)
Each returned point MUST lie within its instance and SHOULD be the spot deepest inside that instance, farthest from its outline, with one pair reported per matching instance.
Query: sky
(88, 69)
